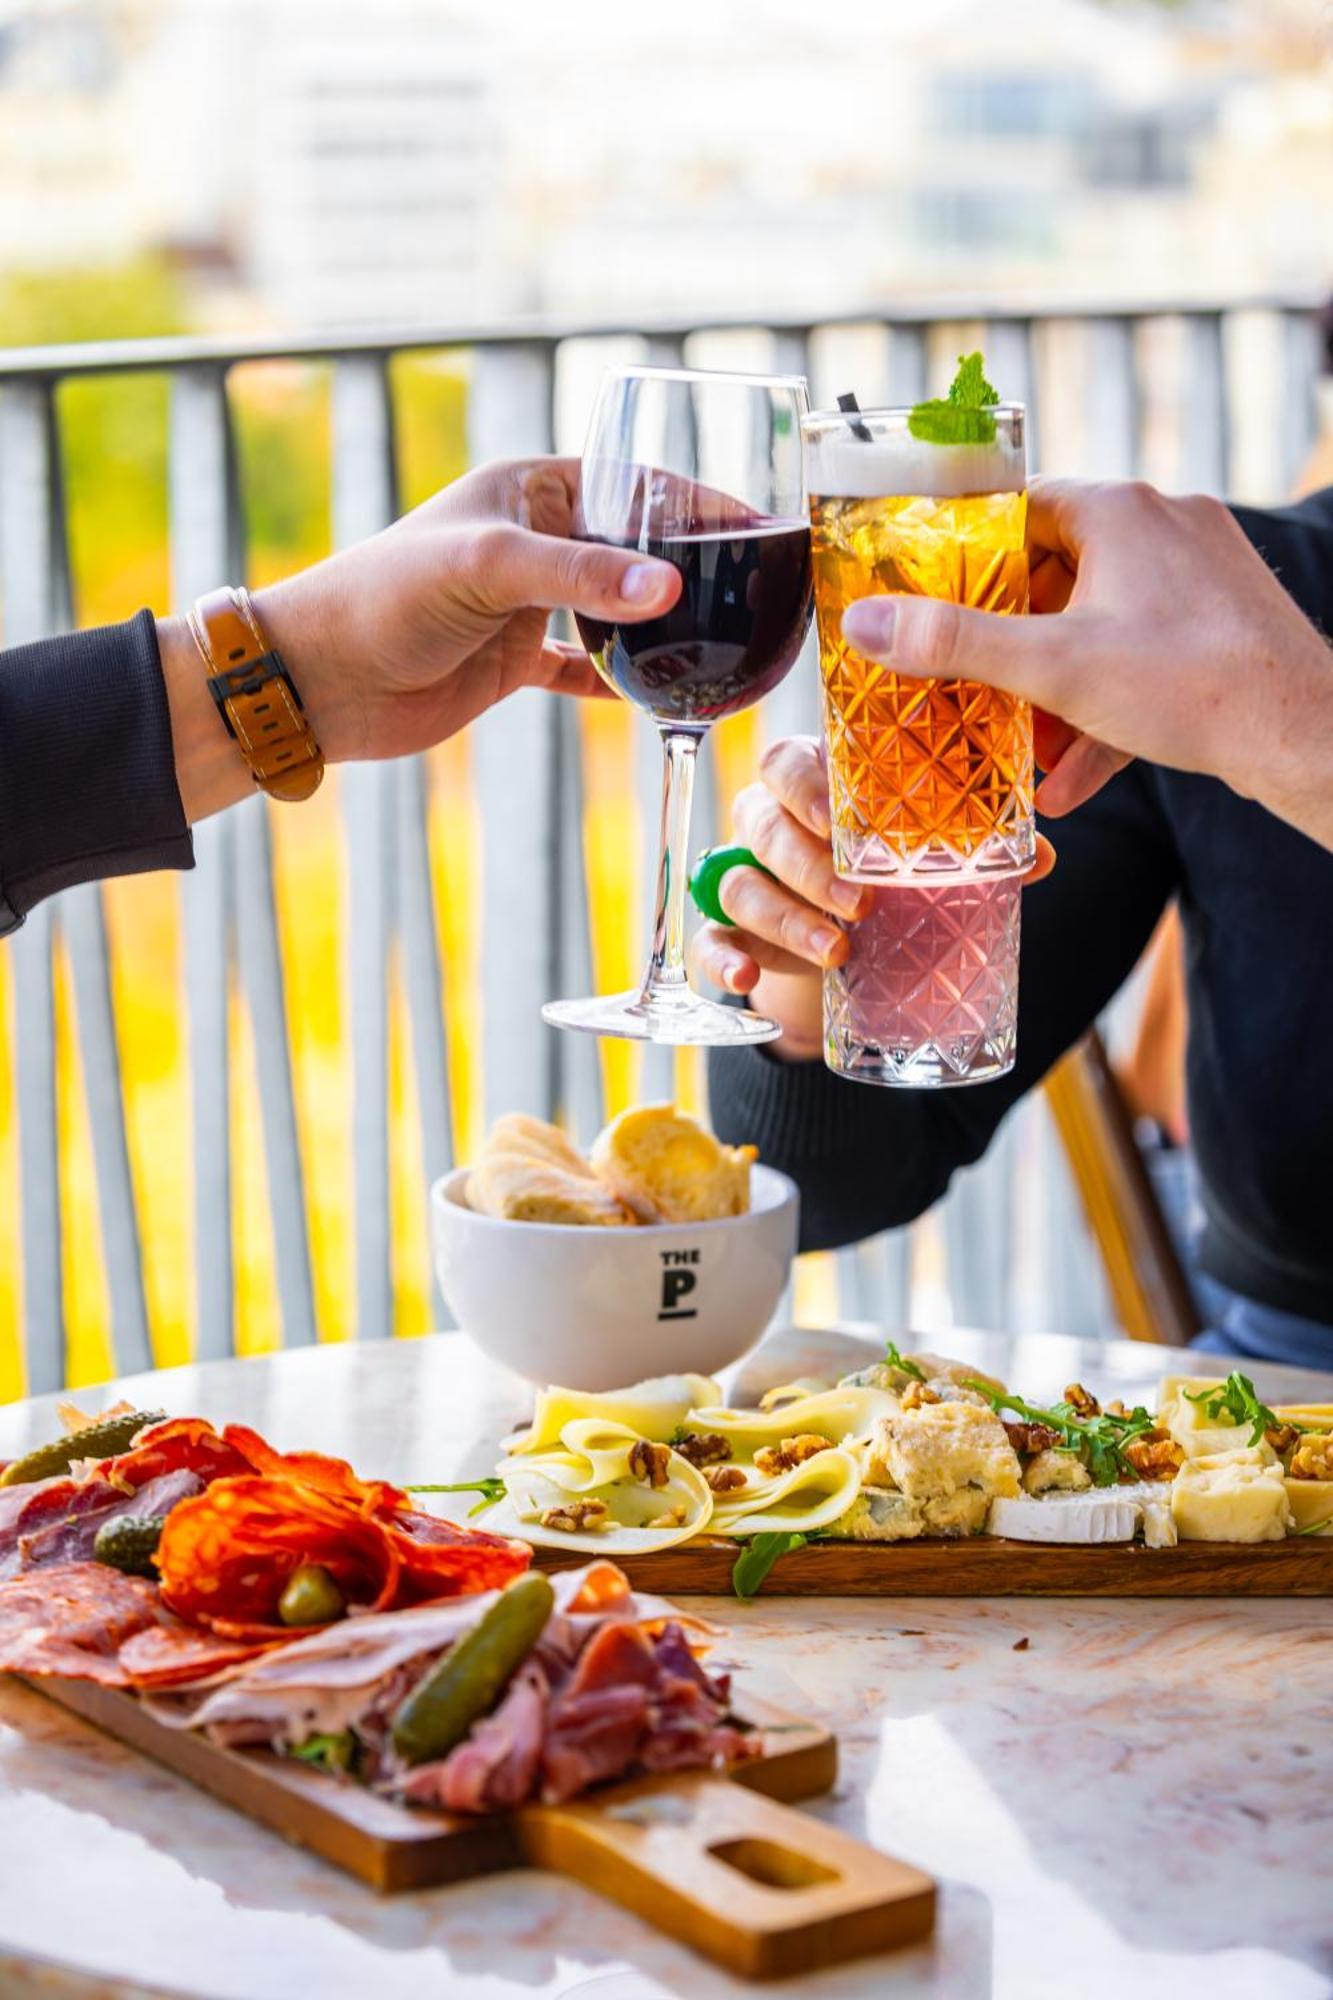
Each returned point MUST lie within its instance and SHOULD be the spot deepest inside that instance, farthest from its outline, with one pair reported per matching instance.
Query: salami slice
(440, 1559)
(182, 1444)
(312, 1468)
(227, 1556)
(73, 1618)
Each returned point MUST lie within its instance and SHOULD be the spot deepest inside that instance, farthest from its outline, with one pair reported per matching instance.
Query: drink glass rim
(897, 414)
(648, 371)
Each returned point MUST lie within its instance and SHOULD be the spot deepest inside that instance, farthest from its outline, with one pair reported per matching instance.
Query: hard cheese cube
(1232, 1496)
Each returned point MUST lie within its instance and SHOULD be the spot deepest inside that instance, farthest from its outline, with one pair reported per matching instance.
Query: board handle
(762, 1889)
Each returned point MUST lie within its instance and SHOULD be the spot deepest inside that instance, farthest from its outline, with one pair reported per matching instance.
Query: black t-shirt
(1256, 901)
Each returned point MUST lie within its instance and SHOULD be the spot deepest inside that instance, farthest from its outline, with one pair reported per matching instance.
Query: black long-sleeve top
(87, 775)
(1256, 900)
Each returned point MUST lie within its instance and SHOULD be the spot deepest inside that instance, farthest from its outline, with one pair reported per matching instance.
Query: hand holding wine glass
(703, 471)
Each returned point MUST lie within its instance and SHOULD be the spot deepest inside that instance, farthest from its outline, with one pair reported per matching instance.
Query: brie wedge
(1100, 1516)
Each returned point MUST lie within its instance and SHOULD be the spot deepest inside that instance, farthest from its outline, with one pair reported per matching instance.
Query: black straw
(849, 405)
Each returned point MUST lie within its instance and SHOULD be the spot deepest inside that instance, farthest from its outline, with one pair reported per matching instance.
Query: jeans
(1265, 1333)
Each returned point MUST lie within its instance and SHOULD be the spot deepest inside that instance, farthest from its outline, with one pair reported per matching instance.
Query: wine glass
(703, 470)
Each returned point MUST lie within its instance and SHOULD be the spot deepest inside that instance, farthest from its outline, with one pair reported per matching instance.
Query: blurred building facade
(391, 159)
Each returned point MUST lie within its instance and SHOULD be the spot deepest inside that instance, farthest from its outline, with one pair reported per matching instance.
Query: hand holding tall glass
(704, 470)
(930, 781)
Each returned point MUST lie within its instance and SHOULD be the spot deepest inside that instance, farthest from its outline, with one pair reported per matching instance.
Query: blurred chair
(1148, 1282)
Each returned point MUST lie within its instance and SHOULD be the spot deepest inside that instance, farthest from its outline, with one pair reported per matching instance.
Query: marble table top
(1125, 1798)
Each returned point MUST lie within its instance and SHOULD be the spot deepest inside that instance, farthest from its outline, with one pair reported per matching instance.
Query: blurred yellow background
(114, 438)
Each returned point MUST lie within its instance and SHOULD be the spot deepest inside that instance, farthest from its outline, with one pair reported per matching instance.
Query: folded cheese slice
(652, 1409)
(839, 1415)
(812, 1495)
(592, 1462)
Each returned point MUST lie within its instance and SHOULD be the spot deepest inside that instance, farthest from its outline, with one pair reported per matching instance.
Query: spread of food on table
(913, 1446)
(651, 1164)
(278, 1600)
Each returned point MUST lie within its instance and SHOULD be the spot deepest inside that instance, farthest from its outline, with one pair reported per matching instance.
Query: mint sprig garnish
(963, 416)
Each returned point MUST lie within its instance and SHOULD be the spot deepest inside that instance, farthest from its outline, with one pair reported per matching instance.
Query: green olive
(311, 1597)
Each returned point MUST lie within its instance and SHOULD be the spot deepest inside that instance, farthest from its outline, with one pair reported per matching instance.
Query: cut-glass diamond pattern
(929, 993)
(925, 777)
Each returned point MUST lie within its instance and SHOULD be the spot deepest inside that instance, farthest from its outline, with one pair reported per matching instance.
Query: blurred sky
(327, 162)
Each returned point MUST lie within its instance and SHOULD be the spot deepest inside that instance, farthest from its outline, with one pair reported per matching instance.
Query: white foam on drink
(841, 466)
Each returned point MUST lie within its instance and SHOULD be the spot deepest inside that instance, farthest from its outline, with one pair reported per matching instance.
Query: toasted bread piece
(663, 1164)
(516, 1132)
(520, 1188)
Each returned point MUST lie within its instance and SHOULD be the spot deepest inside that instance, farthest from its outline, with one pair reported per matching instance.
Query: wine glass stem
(666, 970)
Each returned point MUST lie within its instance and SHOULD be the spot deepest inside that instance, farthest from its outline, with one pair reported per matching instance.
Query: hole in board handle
(776, 1867)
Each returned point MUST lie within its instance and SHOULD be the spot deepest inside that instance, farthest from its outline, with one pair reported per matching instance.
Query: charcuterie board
(986, 1566)
(716, 1860)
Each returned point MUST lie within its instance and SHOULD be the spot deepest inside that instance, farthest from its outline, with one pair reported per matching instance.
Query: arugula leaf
(490, 1490)
(1098, 1441)
(330, 1753)
(1315, 1527)
(893, 1359)
(963, 416)
(759, 1556)
(1236, 1396)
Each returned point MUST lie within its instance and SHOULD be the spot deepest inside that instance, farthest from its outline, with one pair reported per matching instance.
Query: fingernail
(643, 581)
(847, 895)
(824, 938)
(868, 624)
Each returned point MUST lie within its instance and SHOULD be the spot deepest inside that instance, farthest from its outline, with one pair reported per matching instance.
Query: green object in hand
(706, 879)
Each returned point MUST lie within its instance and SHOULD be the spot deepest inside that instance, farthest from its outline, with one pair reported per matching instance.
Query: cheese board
(718, 1860)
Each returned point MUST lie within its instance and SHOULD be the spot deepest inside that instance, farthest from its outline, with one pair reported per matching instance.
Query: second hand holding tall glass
(704, 470)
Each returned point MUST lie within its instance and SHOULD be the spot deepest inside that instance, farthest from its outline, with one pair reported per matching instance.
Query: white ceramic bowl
(598, 1308)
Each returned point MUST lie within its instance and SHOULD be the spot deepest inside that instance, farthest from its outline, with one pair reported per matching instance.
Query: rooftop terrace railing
(1166, 387)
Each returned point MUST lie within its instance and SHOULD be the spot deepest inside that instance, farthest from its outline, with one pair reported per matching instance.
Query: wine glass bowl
(703, 471)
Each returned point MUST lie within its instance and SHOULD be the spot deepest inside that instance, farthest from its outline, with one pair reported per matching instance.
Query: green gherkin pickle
(100, 1440)
(311, 1597)
(473, 1674)
(130, 1543)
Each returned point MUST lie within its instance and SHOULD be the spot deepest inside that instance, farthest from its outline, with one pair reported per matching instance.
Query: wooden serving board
(714, 1860)
(986, 1566)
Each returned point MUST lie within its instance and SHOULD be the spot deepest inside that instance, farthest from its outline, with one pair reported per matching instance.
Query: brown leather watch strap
(255, 696)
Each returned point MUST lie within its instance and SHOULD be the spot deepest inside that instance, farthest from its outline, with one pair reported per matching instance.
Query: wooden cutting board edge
(987, 1566)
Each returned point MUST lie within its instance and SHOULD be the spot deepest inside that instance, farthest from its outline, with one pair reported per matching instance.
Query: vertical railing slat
(363, 503)
(514, 758)
(29, 561)
(1007, 344)
(1296, 402)
(259, 960)
(83, 924)
(581, 1095)
(204, 554)
(423, 976)
(1205, 440)
(907, 364)
(1111, 393)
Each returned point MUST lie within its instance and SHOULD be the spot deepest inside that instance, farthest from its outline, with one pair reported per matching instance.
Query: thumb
(929, 639)
(518, 569)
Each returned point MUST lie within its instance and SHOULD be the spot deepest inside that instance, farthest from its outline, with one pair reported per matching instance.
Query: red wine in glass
(733, 633)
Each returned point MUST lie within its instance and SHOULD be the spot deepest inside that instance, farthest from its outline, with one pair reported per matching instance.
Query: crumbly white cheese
(930, 1452)
(1233, 1496)
(1056, 1472)
(878, 1514)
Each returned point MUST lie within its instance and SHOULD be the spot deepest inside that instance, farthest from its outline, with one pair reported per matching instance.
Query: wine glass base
(686, 1022)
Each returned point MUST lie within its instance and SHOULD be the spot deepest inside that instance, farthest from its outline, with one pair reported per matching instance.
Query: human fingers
(567, 669)
(772, 914)
(929, 639)
(1044, 863)
(1051, 737)
(509, 568)
(802, 861)
(794, 771)
(734, 959)
(1084, 768)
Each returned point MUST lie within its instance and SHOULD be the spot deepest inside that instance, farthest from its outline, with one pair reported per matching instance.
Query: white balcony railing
(1009, 1244)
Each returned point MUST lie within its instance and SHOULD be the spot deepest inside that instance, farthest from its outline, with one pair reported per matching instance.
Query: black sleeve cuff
(87, 771)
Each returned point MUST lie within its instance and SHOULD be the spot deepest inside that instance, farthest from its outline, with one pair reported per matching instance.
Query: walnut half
(705, 1448)
(1081, 1401)
(576, 1517)
(917, 1393)
(1154, 1455)
(773, 1460)
(1313, 1457)
(724, 1478)
(650, 1462)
